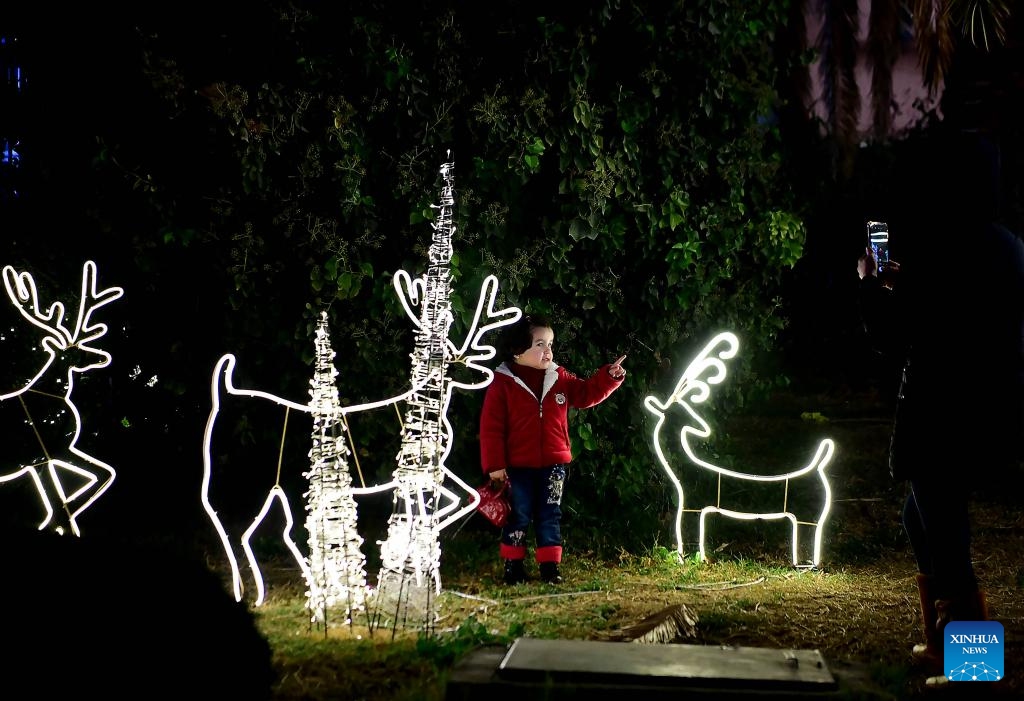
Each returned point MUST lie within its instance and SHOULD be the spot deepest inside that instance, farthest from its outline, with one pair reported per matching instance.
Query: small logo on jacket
(560, 398)
(973, 651)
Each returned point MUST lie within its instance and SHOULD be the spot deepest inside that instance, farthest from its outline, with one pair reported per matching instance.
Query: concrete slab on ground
(597, 670)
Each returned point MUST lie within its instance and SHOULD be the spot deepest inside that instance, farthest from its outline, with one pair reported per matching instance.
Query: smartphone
(878, 239)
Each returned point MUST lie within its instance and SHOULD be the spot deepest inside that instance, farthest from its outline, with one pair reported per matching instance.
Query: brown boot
(969, 607)
(929, 653)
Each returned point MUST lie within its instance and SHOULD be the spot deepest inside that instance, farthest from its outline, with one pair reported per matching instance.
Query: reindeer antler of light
(474, 338)
(21, 288)
(22, 291)
(706, 369)
(473, 352)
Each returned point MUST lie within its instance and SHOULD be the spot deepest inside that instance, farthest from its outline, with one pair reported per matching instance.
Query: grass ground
(859, 609)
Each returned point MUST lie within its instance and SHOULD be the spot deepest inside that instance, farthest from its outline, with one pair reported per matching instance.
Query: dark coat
(956, 319)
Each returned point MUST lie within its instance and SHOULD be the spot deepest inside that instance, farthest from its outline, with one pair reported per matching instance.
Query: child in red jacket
(524, 438)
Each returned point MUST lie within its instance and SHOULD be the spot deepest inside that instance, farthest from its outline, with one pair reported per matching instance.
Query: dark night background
(81, 78)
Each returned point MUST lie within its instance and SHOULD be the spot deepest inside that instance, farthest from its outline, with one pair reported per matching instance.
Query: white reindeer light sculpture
(334, 571)
(64, 475)
(786, 495)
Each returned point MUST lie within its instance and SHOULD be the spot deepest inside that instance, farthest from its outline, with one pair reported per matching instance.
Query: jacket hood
(550, 377)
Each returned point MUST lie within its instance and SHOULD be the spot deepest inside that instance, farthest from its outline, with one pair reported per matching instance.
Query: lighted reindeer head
(474, 352)
(694, 385)
(59, 336)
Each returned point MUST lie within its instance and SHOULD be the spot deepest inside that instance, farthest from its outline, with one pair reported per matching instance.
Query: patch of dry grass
(859, 609)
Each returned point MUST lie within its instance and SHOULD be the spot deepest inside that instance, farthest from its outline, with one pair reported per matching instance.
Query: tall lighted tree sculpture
(41, 409)
(410, 581)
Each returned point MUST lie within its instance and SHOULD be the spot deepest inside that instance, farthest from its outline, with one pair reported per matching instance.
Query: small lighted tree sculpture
(802, 496)
(409, 581)
(64, 475)
(337, 563)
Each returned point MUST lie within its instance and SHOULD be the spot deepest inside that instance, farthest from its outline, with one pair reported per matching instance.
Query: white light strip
(57, 341)
(694, 387)
(274, 494)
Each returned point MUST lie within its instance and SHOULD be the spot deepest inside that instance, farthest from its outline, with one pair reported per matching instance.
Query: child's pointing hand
(616, 370)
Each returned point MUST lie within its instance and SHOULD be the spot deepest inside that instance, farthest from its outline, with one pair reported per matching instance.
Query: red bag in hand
(494, 503)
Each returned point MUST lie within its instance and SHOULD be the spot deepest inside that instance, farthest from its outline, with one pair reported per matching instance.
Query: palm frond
(837, 44)
(934, 40)
(982, 23)
(883, 50)
(671, 624)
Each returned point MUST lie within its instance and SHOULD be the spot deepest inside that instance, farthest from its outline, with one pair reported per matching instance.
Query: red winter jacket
(518, 431)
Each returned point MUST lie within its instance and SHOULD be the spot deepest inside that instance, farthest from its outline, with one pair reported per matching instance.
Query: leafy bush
(639, 196)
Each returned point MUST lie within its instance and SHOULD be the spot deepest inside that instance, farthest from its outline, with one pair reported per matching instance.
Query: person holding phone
(524, 438)
(959, 337)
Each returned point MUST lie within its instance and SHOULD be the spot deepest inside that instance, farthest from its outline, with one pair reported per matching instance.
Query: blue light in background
(8, 154)
(13, 72)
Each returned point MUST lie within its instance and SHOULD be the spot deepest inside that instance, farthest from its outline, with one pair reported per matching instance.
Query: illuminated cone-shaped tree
(409, 577)
(423, 505)
(336, 561)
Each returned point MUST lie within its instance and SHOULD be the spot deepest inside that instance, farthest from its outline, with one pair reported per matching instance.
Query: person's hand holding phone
(889, 273)
(866, 264)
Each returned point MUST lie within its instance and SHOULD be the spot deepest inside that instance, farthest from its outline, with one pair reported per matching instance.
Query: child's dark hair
(518, 337)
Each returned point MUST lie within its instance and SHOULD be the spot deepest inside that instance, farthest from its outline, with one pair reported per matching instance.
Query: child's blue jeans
(536, 497)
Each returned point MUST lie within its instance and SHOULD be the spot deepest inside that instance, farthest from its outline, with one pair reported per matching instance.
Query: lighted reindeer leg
(32, 472)
(221, 381)
(222, 385)
(87, 489)
(276, 494)
(70, 345)
(812, 530)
